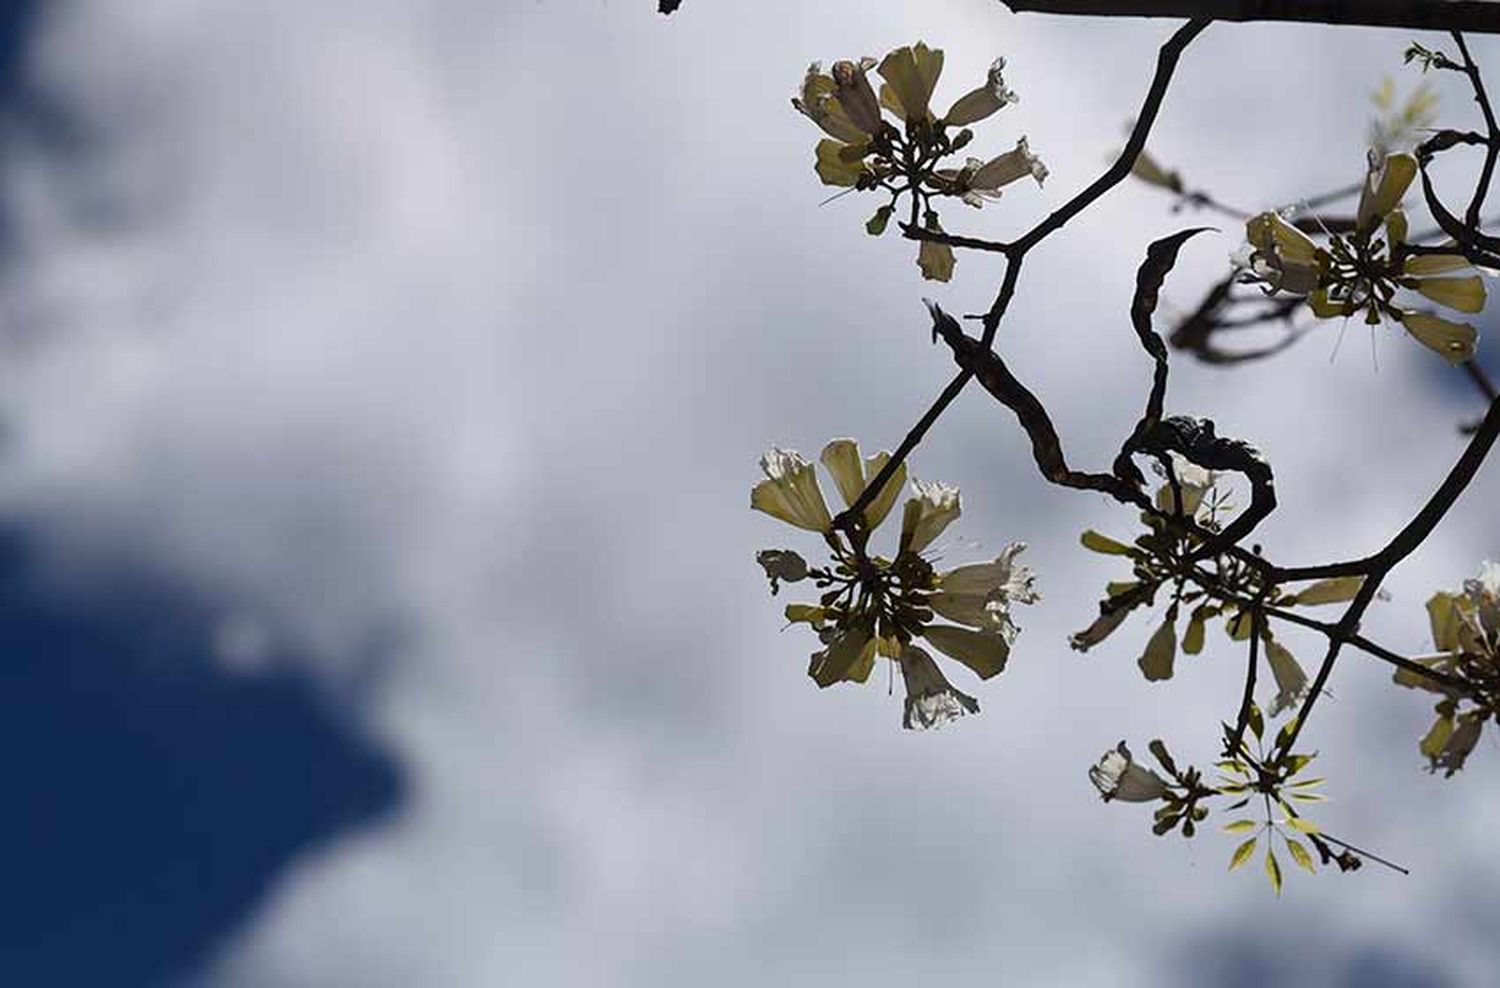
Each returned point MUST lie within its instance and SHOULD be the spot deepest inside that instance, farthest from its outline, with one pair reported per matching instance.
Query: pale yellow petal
(878, 508)
(1453, 340)
(984, 652)
(841, 457)
(1463, 294)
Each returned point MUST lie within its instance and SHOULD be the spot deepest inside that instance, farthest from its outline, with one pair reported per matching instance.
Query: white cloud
(471, 323)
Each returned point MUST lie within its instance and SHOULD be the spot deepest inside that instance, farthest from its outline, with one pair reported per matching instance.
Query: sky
(383, 387)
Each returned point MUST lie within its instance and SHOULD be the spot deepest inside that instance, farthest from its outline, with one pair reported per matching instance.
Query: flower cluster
(1362, 272)
(874, 605)
(1466, 632)
(900, 154)
(1221, 587)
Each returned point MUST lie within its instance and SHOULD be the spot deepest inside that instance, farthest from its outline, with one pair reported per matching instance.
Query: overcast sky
(430, 347)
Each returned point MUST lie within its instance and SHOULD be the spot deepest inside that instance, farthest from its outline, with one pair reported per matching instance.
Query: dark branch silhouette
(1478, 16)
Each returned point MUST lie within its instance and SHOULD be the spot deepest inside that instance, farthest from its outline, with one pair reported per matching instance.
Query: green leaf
(1257, 721)
(1334, 591)
(1103, 543)
(1286, 732)
(1242, 853)
(1310, 797)
(1238, 626)
(1273, 868)
(1296, 763)
(1159, 750)
(1300, 855)
(875, 226)
(1303, 824)
(1161, 651)
(1308, 783)
(1239, 826)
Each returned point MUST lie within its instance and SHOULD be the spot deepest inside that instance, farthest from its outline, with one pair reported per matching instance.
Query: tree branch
(1477, 16)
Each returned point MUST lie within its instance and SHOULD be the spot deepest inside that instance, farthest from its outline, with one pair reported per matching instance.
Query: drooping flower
(1005, 169)
(982, 102)
(1118, 776)
(931, 701)
(979, 595)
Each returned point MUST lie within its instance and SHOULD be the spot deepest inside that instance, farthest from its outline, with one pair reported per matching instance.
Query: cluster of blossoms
(867, 151)
(1466, 632)
(874, 605)
(1363, 271)
(1161, 562)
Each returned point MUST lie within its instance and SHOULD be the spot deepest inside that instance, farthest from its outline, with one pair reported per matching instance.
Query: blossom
(979, 103)
(1363, 271)
(871, 605)
(931, 701)
(979, 595)
(855, 96)
(1384, 186)
(790, 491)
(817, 102)
(1193, 482)
(851, 476)
(1466, 632)
(1118, 776)
(911, 74)
(1007, 168)
(849, 654)
(932, 509)
(1284, 258)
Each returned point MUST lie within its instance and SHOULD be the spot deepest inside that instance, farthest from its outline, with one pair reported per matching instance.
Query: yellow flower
(933, 509)
(1386, 183)
(977, 104)
(979, 595)
(851, 476)
(1007, 168)
(853, 92)
(1454, 341)
(790, 492)
(1285, 258)
(931, 701)
(911, 74)
(817, 102)
(1118, 776)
